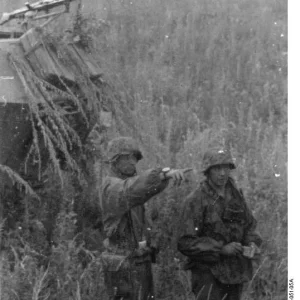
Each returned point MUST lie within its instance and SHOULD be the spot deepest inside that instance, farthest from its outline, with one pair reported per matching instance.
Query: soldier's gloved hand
(178, 175)
(233, 248)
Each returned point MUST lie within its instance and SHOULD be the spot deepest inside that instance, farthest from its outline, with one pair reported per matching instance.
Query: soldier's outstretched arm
(121, 195)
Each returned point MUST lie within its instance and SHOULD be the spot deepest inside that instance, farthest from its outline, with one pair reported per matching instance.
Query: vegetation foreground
(187, 75)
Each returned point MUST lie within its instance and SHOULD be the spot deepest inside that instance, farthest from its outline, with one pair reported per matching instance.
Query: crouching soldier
(218, 234)
(129, 250)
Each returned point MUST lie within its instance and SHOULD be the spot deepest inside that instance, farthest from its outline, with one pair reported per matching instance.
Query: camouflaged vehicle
(23, 54)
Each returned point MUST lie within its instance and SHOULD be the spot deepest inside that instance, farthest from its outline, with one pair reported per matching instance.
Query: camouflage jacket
(123, 210)
(211, 221)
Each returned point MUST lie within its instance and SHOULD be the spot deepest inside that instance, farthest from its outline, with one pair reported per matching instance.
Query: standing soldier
(129, 249)
(218, 235)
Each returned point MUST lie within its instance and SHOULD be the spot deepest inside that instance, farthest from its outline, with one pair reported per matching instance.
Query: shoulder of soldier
(238, 190)
(196, 197)
(109, 182)
(109, 190)
(235, 186)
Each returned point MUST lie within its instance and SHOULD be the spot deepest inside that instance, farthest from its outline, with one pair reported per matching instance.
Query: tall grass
(200, 73)
(186, 75)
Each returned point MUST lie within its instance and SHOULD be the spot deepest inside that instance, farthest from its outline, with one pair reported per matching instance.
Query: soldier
(218, 234)
(129, 249)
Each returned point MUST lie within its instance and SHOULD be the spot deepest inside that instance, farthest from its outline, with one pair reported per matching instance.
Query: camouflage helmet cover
(123, 145)
(217, 156)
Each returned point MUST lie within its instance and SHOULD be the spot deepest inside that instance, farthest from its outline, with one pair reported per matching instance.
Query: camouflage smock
(211, 221)
(122, 207)
(125, 225)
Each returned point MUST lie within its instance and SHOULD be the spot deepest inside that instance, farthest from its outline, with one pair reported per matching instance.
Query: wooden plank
(33, 48)
(25, 42)
(41, 55)
(43, 62)
(61, 67)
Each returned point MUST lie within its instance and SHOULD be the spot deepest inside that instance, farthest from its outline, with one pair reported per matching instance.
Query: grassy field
(187, 75)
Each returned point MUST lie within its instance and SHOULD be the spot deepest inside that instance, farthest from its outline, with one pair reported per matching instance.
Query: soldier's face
(219, 174)
(126, 164)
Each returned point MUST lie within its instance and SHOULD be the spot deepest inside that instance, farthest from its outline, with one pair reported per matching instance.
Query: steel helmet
(123, 145)
(217, 156)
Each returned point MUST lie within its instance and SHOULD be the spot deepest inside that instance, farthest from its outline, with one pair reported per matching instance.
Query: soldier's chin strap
(127, 176)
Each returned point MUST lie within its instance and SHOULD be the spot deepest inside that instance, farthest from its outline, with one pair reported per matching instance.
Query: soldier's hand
(252, 251)
(256, 248)
(232, 249)
(178, 175)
